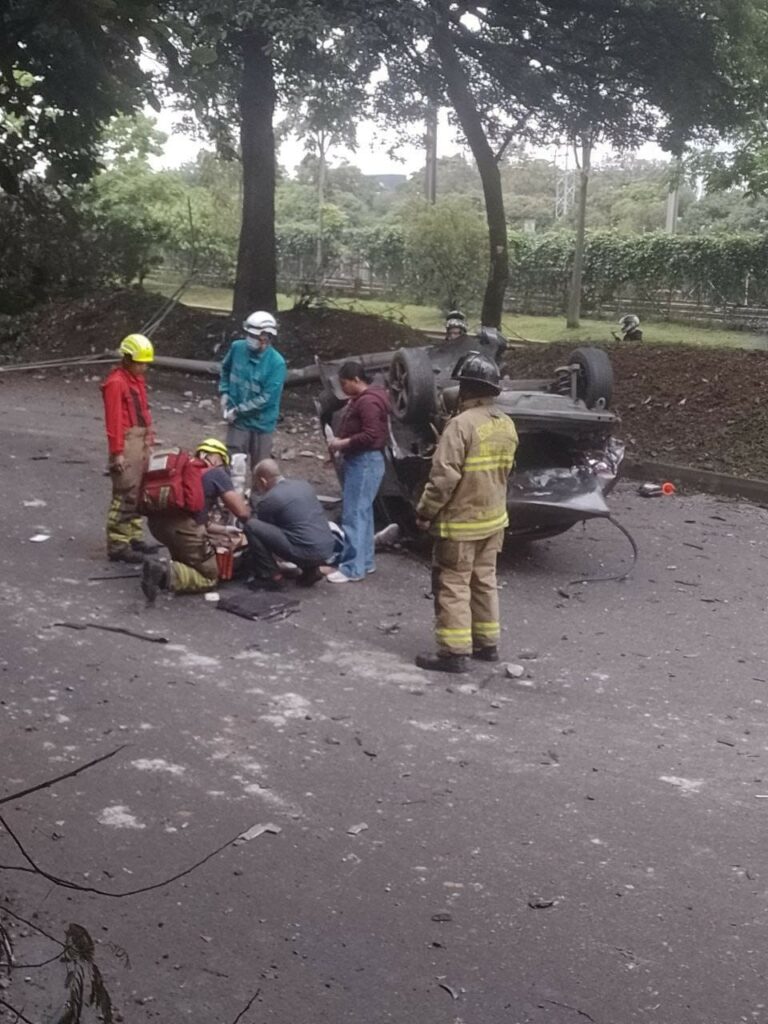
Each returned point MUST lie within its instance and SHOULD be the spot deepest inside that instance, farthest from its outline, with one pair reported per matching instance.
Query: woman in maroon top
(362, 436)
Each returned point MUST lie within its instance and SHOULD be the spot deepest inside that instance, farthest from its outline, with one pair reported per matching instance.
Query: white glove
(230, 414)
(224, 403)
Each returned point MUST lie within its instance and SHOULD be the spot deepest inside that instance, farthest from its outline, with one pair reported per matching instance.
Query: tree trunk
(574, 299)
(256, 276)
(430, 144)
(321, 151)
(471, 123)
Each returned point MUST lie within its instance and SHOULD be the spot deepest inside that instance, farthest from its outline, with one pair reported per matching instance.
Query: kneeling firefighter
(464, 506)
(182, 530)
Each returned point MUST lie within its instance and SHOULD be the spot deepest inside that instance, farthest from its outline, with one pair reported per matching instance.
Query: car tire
(412, 387)
(326, 404)
(594, 384)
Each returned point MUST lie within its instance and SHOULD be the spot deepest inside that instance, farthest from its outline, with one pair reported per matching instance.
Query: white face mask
(253, 343)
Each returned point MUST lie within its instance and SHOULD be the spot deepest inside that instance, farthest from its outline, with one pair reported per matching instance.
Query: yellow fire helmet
(139, 348)
(214, 447)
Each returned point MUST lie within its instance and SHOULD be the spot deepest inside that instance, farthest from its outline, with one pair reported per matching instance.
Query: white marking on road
(288, 705)
(686, 786)
(119, 816)
(190, 659)
(157, 764)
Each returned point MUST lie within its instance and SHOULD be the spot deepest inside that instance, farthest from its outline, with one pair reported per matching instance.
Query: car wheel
(412, 386)
(594, 383)
(326, 404)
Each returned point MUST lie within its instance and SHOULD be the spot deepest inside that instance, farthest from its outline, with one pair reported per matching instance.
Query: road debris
(263, 606)
(540, 903)
(447, 988)
(153, 638)
(442, 917)
(355, 830)
(118, 575)
(257, 830)
(514, 671)
(38, 538)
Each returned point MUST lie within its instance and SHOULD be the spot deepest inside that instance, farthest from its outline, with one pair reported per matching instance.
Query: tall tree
(65, 70)
(547, 68)
(240, 58)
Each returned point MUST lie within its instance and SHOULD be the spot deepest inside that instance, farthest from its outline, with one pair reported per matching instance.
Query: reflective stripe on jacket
(465, 497)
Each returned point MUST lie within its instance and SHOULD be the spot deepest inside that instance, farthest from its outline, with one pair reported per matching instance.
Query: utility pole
(565, 189)
(673, 199)
(430, 142)
(322, 147)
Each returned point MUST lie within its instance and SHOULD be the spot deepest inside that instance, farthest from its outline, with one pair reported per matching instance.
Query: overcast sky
(371, 156)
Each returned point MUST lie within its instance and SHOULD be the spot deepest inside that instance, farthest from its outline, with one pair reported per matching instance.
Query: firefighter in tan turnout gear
(464, 506)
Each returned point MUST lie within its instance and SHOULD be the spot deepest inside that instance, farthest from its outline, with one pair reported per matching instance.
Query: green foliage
(65, 70)
(384, 248)
(651, 266)
(446, 253)
(48, 245)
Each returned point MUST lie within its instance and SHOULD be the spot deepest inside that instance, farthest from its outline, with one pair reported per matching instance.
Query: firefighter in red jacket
(129, 435)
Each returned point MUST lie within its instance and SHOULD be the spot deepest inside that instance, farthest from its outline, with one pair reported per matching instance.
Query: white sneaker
(389, 535)
(289, 568)
(339, 577)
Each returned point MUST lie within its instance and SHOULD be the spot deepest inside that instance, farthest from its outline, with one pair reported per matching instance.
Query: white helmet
(260, 322)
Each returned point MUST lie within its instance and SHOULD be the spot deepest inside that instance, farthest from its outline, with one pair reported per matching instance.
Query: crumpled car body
(568, 459)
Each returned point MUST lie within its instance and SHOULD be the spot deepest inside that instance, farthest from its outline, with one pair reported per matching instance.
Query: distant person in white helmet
(455, 325)
(128, 423)
(251, 386)
(630, 329)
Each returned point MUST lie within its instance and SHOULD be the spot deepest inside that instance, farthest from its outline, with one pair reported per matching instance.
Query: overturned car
(568, 459)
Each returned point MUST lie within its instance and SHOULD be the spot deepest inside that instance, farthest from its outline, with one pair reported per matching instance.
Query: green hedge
(655, 267)
(712, 270)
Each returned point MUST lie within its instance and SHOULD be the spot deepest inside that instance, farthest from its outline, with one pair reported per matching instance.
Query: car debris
(257, 830)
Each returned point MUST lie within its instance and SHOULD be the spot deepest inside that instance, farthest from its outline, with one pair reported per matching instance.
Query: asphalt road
(586, 843)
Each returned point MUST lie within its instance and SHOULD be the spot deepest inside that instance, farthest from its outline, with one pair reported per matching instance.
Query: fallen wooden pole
(208, 367)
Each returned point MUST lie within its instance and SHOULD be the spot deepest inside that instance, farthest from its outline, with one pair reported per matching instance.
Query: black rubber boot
(154, 578)
(126, 554)
(486, 653)
(145, 547)
(456, 664)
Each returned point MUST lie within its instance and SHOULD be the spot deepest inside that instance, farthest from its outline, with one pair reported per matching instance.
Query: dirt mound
(693, 406)
(69, 327)
(335, 333)
(96, 323)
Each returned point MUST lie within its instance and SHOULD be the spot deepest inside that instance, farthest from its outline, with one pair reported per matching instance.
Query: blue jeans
(362, 476)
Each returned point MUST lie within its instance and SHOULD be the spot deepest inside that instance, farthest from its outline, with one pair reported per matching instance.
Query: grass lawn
(531, 328)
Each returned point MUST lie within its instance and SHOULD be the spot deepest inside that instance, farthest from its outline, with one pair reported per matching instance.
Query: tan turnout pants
(123, 523)
(193, 558)
(466, 598)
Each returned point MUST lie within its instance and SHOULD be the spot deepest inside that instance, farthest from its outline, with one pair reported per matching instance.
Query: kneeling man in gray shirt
(290, 524)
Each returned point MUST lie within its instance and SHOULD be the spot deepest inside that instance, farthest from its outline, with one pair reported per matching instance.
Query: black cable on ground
(621, 576)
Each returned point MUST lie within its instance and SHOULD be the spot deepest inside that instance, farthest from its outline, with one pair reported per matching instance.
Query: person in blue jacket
(251, 386)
